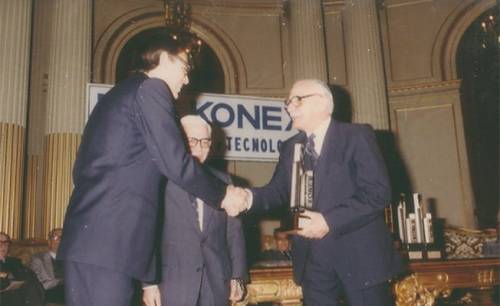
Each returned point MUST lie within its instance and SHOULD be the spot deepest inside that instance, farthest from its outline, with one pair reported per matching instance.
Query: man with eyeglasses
(202, 253)
(131, 142)
(344, 244)
(18, 284)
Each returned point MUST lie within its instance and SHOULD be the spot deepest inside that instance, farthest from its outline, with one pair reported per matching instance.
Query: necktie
(310, 155)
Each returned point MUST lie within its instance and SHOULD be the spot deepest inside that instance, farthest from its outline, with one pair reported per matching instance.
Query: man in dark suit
(131, 142)
(48, 270)
(344, 245)
(202, 250)
(18, 284)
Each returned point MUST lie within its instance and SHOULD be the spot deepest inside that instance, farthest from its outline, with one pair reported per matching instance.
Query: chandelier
(489, 30)
(178, 23)
(177, 15)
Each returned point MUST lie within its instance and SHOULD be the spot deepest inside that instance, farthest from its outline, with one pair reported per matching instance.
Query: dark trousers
(205, 297)
(321, 286)
(89, 285)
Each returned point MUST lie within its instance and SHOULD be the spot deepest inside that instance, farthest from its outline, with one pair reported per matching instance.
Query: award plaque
(416, 232)
(301, 193)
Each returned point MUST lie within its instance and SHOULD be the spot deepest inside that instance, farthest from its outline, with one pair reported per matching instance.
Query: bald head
(319, 87)
(310, 103)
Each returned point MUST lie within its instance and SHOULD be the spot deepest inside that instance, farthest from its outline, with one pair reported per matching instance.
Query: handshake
(237, 200)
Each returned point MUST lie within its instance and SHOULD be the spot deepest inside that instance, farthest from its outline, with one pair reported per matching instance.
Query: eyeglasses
(187, 66)
(204, 142)
(297, 100)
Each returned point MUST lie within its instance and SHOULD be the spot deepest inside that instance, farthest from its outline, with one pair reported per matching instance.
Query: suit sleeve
(372, 192)
(235, 241)
(157, 121)
(237, 250)
(277, 191)
(42, 274)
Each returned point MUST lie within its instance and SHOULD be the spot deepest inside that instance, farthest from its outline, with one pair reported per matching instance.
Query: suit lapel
(209, 212)
(329, 153)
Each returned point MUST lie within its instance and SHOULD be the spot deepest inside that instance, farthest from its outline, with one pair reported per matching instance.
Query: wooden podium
(425, 282)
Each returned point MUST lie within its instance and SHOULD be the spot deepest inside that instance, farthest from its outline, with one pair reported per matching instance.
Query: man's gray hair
(325, 91)
(195, 120)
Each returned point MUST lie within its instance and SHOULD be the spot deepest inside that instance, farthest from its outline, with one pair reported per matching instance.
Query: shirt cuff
(149, 286)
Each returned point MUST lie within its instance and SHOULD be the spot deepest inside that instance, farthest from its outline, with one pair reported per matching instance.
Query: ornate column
(307, 38)
(68, 73)
(365, 63)
(15, 22)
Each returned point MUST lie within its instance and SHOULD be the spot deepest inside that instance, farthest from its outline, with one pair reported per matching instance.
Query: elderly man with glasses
(344, 245)
(203, 260)
(18, 284)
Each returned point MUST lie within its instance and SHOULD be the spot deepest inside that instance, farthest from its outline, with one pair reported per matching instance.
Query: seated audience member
(282, 251)
(19, 284)
(49, 271)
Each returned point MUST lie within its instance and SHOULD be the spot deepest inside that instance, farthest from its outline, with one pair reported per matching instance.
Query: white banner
(253, 128)
(94, 93)
(244, 127)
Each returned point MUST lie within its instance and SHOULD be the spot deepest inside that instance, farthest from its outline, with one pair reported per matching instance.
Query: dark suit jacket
(131, 141)
(30, 293)
(220, 248)
(351, 191)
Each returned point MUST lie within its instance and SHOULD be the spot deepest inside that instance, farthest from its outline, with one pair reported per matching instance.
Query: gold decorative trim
(11, 177)
(284, 291)
(411, 290)
(60, 154)
(424, 88)
(486, 278)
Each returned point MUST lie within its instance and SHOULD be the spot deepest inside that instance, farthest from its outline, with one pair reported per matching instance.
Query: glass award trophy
(301, 193)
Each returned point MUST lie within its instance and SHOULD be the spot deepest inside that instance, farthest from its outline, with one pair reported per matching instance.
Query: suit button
(348, 274)
(367, 283)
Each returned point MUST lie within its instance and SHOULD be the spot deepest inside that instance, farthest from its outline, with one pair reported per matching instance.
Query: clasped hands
(237, 200)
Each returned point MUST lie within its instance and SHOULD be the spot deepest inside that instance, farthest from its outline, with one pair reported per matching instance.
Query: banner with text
(251, 128)
(244, 127)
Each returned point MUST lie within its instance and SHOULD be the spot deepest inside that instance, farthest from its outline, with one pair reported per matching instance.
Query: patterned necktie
(310, 155)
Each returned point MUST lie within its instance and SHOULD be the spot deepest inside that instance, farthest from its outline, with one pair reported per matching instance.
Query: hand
(151, 296)
(237, 291)
(235, 201)
(314, 225)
